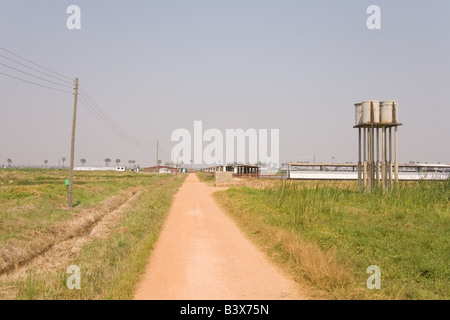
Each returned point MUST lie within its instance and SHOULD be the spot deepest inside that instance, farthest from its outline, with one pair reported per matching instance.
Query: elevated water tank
(367, 107)
(395, 113)
(389, 112)
(358, 114)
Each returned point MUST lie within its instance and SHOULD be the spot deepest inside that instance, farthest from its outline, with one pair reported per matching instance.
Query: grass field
(207, 177)
(34, 218)
(327, 235)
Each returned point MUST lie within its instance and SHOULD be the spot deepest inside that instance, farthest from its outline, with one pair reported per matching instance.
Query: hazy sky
(155, 66)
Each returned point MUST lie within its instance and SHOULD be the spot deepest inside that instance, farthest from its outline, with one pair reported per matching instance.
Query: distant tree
(83, 162)
(117, 161)
(107, 160)
(159, 162)
(63, 160)
(9, 162)
(45, 163)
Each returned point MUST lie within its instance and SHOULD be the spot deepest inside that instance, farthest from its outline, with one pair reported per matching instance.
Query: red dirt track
(202, 255)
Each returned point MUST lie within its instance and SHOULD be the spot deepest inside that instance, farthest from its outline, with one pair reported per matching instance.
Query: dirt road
(202, 255)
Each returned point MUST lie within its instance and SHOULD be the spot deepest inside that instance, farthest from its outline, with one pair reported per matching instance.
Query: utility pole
(157, 164)
(72, 143)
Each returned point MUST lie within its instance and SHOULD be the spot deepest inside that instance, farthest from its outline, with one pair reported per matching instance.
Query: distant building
(94, 169)
(161, 169)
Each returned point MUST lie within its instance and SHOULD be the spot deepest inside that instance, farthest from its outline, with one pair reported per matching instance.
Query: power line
(34, 69)
(34, 63)
(85, 98)
(36, 84)
(99, 114)
(110, 124)
(50, 81)
(131, 141)
(104, 115)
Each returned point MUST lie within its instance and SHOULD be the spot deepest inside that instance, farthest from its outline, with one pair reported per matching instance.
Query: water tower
(370, 117)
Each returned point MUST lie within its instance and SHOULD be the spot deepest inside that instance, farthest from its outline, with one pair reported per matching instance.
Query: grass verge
(207, 177)
(328, 236)
(33, 200)
(112, 264)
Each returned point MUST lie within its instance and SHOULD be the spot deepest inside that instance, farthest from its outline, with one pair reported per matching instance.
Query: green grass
(405, 232)
(31, 200)
(111, 266)
(207, 177)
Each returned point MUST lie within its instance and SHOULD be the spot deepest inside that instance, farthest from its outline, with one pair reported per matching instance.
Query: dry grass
(16, 252)
(319, 266)
(303, 259)
(327, 236)
(109, 235)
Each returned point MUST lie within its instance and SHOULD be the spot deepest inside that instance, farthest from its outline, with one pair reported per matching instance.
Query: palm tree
(45, 163)
(63, 160)
(83, 161)
(107, 160)
(9, 162)
(117, 161)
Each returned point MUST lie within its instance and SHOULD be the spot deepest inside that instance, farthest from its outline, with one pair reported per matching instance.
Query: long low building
(118, 168)
(349, 171)
(162, 169)
(345, 175)
(235, 168)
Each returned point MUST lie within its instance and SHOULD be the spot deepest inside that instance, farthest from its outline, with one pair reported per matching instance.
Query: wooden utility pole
(396, 159)
(390, 157)
(383, 157)
(157, 149)
(72, 144)
(359, 160)
(364, 159)
(378, 157)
